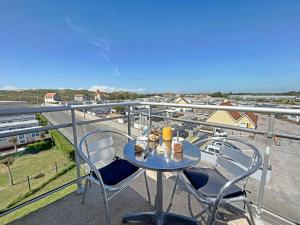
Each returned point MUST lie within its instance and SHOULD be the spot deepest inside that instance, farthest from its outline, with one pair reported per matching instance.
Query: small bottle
(167, 131)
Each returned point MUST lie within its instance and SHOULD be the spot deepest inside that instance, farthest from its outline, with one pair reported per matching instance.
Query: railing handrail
(270, 110)
(228, 108)
(26, 110)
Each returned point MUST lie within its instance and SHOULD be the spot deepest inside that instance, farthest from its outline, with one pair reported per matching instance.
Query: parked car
(212, 148)
(228, 144)
(220, 133)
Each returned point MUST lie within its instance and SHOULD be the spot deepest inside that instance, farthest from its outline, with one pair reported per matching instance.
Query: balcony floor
(69, 209)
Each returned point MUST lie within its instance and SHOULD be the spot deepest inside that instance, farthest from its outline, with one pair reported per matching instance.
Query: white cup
(142, 141)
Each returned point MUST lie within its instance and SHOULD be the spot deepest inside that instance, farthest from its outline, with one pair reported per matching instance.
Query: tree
(8, 161)
(216, 95)
(119, 109)
(14, 141)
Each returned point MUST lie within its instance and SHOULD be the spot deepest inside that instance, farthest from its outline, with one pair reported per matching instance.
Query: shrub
(63, 144)
(42, 120)
(37, 147)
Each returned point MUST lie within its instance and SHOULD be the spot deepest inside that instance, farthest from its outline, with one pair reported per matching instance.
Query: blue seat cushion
(210, 181)
(116, 171)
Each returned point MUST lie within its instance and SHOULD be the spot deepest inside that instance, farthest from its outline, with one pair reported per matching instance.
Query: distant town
(41, 97)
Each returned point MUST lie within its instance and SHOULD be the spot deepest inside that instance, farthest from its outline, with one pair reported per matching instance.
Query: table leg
(158, 216)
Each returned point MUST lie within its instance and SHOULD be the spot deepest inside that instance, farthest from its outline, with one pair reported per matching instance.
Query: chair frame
(214, 203)
(105, 189)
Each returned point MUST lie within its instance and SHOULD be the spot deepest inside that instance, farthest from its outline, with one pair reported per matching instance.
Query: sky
(151, 46)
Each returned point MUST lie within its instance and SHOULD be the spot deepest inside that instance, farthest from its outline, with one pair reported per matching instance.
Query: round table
(161, 162)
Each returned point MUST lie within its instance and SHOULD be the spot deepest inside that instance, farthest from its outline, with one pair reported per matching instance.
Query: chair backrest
(235, 161)
(99, 152)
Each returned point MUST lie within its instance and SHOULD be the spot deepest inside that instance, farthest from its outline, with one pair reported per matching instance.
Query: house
(233, 118)
(182, 101)
(52, 97)
(18, 122)
(78, 97)
(101, 96)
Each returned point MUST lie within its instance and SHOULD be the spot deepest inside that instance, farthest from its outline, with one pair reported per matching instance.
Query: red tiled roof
(100, 92)
(252, 117)
(234, 114)
(49, 95)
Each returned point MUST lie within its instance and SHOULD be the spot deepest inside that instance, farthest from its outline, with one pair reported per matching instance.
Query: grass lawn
(68, 176)
(32, 165)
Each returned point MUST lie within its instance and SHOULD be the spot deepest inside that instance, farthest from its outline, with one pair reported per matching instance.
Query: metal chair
(107, 170)
(212, 189)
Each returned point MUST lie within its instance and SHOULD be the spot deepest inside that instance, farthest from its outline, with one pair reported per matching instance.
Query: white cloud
(112, 89)
(11, 88)
(101, 43)
(72, 26)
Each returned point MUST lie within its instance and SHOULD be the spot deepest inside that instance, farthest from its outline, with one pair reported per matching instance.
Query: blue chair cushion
(116, 171)
(209, 182)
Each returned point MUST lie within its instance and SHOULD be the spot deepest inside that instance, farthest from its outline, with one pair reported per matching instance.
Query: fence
(269, 133)
(27, 179)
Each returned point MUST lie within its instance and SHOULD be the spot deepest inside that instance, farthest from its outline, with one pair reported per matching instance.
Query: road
(65, 117)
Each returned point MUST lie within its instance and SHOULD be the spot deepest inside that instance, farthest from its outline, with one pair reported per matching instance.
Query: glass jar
(167, 131)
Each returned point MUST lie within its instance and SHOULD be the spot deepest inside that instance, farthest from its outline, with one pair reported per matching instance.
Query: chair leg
(108, 220)
(85, 190)
(250, 213)
(173, 193)
(147, 187)
(212, 217)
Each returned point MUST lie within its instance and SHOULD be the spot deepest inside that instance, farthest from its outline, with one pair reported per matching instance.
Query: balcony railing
(269, 133)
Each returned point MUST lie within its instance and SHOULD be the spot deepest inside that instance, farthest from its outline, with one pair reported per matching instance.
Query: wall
(221, 117)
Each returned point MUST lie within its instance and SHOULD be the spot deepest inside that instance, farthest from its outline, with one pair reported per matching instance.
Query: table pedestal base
(158, 216)
(155, 218)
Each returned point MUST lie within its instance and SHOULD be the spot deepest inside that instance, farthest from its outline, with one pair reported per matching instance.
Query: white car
(212, 148)
(220, 133)
(227, 144)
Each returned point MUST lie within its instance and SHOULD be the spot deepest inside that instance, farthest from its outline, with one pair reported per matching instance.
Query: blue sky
(151, 46)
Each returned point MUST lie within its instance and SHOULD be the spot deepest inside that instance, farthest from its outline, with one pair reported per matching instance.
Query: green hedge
(63, 144)
(33, 148)
(42, 120)
(36, 147)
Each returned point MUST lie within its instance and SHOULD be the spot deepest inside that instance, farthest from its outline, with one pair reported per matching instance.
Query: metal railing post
(265, 165)
(129, 121)
(150, 116)
(77, 159)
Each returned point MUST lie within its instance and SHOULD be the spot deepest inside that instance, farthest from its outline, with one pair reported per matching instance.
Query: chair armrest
(228, 184)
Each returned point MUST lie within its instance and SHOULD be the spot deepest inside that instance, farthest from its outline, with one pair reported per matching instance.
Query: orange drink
(167, 133)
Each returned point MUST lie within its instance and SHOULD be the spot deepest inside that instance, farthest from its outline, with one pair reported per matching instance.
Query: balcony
(273, 192)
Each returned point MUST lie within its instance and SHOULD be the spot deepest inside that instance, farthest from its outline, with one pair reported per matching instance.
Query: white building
(52, 98)
(18, 122)
(78, 97)
(101, 96)
(183, 102)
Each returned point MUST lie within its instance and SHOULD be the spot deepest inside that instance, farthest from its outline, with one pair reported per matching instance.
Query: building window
(35, 134)
(21, 136)
(22, 141)
(3, 139)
